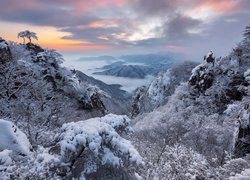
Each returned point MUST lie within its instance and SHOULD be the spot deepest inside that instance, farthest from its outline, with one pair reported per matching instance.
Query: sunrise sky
(116, 27)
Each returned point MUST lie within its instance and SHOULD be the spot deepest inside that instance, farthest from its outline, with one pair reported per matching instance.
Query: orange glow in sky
(210, 8)
(47, 36)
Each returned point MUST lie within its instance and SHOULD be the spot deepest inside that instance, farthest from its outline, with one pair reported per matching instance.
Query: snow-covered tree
(178, 162)
(246, 33)
(91, 149)
(91, 145)
(22, 35)
(27, 34)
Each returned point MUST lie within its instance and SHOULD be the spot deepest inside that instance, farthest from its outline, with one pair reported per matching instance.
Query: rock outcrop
(5, 54)
(34, 48)
(224, 79)
(156, 94)
(242, 145)
(202, 77)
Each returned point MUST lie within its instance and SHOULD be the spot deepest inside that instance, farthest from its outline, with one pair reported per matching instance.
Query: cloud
(149, 7)
(89, 34)
(132, 23)
(37, 13)
(180, 26)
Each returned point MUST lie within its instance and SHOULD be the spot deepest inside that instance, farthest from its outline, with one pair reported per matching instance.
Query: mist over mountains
(150, 64)
(130, 71)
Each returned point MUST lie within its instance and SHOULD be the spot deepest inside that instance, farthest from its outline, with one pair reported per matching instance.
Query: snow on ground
(245, 175)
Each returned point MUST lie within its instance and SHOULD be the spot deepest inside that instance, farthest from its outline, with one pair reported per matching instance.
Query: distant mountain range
(130, 71)
(150, 64)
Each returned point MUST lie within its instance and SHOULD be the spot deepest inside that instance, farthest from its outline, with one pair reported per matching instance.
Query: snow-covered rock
(3, 45)
(5, 158)
(231, 108)
(5, 54)
(157, 92)
(202, 77)
(12, 138)
(244, 175)
(247, 75)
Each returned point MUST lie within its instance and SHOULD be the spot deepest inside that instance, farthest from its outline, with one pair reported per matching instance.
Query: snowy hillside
(43, 107)
(116, 100)
(208, 117)
(37, 92)
(156, 94)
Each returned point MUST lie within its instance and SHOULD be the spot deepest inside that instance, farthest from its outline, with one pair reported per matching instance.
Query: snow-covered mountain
(198, 129)
(156, 94)
(203, 130)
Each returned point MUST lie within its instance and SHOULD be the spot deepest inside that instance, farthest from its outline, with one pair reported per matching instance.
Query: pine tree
(27, 34)
(246, 33)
